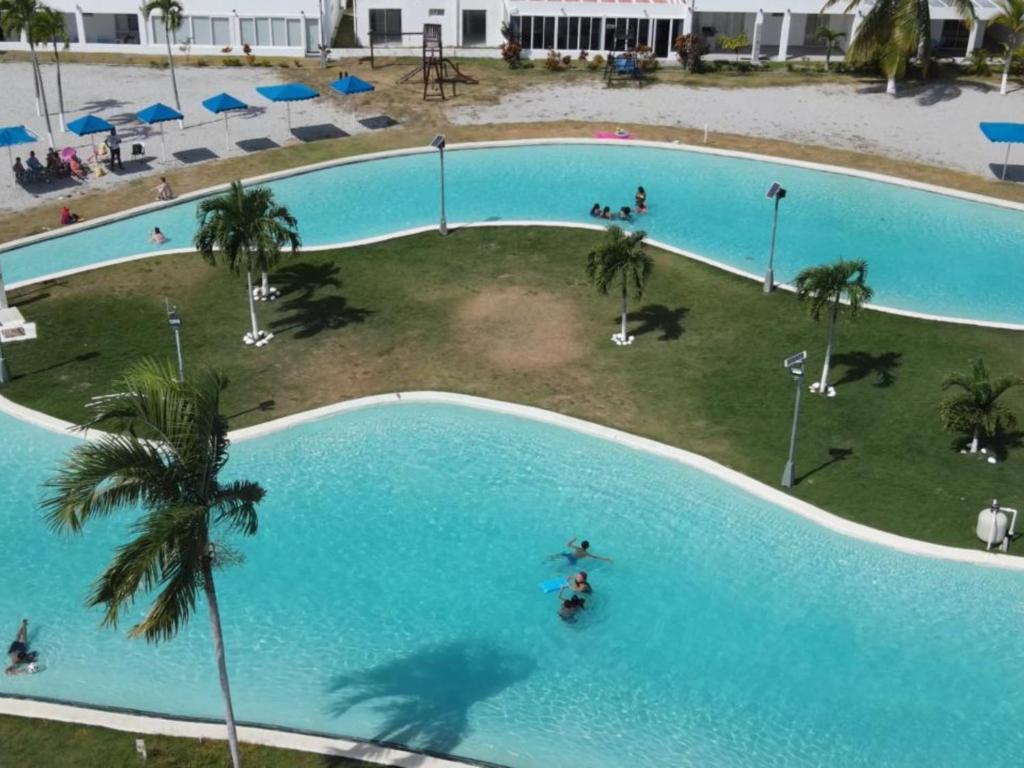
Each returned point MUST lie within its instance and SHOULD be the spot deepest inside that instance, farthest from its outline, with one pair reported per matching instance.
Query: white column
(976, 36)
(305, 33)
(688, 21)
(80, 24)
(787, 18)
(858, 17)
(143, 30)
(755, 43)
(236, 32)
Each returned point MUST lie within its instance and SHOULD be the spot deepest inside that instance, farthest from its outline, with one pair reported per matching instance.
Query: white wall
(416, 13)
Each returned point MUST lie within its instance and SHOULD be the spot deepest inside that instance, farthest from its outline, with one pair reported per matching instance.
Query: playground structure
(435, 69)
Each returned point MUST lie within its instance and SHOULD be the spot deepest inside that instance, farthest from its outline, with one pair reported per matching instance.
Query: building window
(386, 25)
(295, 33)
(562, 36)
(160, 32)
(474, 27)
(221, 32)
(263, 32)
(280, 32)
(70, 27)
(202, 30)
(248, 29)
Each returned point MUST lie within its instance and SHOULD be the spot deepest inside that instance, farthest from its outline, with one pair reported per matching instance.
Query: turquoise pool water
(392, 593)
(927, 253)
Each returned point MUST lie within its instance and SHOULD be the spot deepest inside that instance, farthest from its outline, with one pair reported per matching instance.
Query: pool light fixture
(174, 322)
(795, 365)
(775, 192)
(439, 144)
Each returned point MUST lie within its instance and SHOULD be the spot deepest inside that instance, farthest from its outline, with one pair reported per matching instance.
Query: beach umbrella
(221, 104)
(88, 125)
(158, 114)
(287, 93)
(350, 84)
(12, 136)
(1008, 133)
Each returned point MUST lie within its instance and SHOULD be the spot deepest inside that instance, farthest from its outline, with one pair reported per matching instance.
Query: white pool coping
(699, 149)
(146, 724)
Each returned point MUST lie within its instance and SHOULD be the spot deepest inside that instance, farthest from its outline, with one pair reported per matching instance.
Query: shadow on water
(425, 697)
(860, 365)
(658, 317)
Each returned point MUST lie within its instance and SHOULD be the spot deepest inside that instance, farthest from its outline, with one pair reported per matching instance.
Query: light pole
(323, 39)
(3, 289)
(5, 372)
(795, 366)
(438, 144)
(174, 321)
(776, 193)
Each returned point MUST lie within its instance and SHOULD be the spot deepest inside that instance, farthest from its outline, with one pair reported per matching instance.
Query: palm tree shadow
(306, 279)
(835, 455)
(658, 317)
(425, 697)
(997, 445)
(860, 365)
(312, 316)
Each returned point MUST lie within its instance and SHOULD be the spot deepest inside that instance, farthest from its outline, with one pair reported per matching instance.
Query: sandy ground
(937, 124)
(116, 93)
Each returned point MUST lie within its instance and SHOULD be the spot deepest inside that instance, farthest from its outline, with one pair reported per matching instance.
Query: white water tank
(992, 526)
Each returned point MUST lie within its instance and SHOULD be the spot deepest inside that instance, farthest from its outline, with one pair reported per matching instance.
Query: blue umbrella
(221, 104)
(287, 93)
(12, 136)
(1008, 133)
(89, 124)
(159, 114)
(350, 84)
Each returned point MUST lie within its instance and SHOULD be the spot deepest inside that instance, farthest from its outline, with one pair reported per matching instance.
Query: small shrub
(583, 56)
(566, 61)
(744, 66)
(202, 63)
(978, 64)
(553, 62)
(264, 63)
(596, 63)
(790, 66)
(511, 49)
(249, 56)
(645, 59)
(297, 63)
(226, 49)
(690, 50)
(734, 44)
(280, 64)
(230, 61)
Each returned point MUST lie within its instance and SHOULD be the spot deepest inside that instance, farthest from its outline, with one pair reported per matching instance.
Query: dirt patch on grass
(519, 329)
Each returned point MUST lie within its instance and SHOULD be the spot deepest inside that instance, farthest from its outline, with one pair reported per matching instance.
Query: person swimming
(157, 237)
(578, 583)
(20, 656)
(641, 198)
(596, 211)
(626, 213)
(569, 609)
(606, 213)
(577, 553)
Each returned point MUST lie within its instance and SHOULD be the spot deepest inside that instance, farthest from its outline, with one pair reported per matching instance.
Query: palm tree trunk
(624, 309)
(222, 666)
(823, 384)
(890, 86)
(265, 284)
(170, 60)
(828, 55)
(1006, 73)
(42, 91)
(252, 308)
(60, 87)
(974, 441)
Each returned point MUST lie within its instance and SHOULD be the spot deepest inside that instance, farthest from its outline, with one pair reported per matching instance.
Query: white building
(270, 27)
(777, 29)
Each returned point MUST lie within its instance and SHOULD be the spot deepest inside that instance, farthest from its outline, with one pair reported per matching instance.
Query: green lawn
(508, 314)
(28, 743)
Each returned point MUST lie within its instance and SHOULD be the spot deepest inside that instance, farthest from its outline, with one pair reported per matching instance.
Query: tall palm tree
(893, 31)
(824, 288)
(48, 27)
(622, 259)
(248, 228)
(975, 409)
(164, 455)
(17, 16)
(1011, 16)
(831, 39)
(171, 11)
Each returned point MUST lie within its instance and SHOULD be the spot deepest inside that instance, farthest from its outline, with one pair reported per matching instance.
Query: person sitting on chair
(19, 170)
(75, 166)
(35, 168)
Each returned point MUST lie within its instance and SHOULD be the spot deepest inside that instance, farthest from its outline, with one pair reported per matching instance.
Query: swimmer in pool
(577, 583)
(569, 609)
(18, 653)
(577, 553)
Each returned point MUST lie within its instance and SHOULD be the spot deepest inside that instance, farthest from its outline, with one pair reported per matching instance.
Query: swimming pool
(392, 593)
(927, 252)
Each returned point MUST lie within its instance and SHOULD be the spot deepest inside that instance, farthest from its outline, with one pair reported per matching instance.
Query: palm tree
(893, 31)
(975, 409)
(248, 228)
(624, 259)
(48, 27)
(17, 16)
(172, 12)
(164, 456)
(824, 288)
(831, 39)
(1011, 16)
